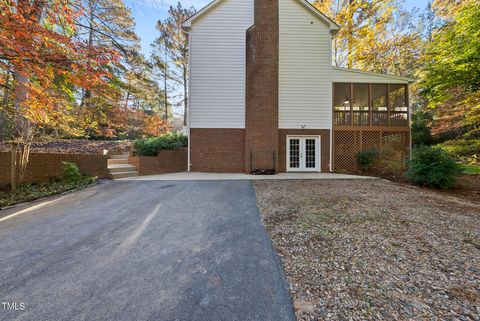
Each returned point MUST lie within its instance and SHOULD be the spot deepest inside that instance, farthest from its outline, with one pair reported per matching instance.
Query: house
(263, 93)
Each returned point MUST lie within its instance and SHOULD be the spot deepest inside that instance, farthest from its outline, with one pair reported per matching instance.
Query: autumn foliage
(46, 65)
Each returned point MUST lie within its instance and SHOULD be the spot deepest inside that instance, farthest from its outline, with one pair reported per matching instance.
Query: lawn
(471, 169)
(374, 250)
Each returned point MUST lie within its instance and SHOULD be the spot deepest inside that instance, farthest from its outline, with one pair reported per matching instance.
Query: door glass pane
(294, 156)
(310, 153)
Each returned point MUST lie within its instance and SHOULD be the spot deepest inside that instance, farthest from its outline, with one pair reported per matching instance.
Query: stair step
(118, 156)
(117, 161)
(121, 168)
(118, 175)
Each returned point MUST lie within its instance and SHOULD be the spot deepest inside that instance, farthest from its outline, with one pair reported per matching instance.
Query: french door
(303, 153)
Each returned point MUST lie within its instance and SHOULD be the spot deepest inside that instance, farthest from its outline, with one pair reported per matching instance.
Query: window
(398, 105)
(368, 104)
(341, 104)
(379, 104)
(360, 104)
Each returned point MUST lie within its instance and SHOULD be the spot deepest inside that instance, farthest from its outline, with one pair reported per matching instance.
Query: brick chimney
(261, 119)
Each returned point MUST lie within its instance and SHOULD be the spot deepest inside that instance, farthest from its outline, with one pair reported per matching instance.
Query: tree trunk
(13, 167)
(3, 115)
(165, 96)
(350, 35)
(88, 93)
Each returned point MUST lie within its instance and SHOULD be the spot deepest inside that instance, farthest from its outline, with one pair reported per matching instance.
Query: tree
(451, 72)
(171, 49)
(375, 35)
(44, 61)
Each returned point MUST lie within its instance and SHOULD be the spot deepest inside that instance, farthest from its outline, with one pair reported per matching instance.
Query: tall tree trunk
(165, 96)
(126, 100)
(350, 35)
(88, 93)
(3, 115)
(13, 166)
(23, 129)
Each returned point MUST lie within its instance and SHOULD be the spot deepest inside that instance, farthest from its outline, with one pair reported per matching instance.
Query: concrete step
(118, 175)
(115, 168)
(117, 161)
(118, 156)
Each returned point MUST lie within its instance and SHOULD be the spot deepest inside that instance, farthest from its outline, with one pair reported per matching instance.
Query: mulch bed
(73, 146)
(374, 250)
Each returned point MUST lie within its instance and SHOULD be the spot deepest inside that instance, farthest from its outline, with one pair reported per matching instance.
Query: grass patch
(470, 169)
(30, 192)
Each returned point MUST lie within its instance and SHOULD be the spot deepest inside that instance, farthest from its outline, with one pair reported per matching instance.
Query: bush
(467, 151)
(366, 159)
(421, 134)
(152, 145)
(71, 173)
(433, 167)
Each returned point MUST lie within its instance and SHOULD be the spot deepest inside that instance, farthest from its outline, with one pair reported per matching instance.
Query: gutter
(189, 165)
(330, 164)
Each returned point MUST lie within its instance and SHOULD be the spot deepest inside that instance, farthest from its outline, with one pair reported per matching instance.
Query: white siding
(305, 69)
(346, 75)
(217, 70)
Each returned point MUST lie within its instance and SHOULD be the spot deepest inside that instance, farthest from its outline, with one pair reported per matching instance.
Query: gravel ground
(73, 146)
(374, 250)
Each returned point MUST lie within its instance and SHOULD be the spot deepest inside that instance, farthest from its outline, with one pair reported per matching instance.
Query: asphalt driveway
(154, 250)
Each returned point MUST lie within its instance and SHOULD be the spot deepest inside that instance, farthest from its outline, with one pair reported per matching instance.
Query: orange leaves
(39, 44)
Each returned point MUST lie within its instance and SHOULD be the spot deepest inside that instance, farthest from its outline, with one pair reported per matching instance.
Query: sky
(148, 12)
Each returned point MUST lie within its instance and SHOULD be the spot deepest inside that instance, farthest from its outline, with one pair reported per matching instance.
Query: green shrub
(421, 134)
(467, 151)
(152, 145)
(433, 167)
(366, 159)
(71, 173)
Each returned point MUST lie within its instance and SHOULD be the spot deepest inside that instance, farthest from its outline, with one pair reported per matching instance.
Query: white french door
(303, 154)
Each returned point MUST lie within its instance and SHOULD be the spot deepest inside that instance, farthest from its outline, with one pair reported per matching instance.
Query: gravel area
(73, 146)
(374, 250)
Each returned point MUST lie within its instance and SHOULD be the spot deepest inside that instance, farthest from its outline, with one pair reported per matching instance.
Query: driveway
(156, 250)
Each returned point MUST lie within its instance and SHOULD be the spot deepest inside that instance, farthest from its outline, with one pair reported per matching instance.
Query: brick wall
(218, 150)
(167, 161)
(324, 146)
(261, 114)
(43, 166)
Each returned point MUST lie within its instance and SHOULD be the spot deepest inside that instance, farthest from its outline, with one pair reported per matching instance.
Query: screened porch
(370, 104)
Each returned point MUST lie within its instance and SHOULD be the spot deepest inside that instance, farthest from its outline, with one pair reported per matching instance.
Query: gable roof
(330, 23)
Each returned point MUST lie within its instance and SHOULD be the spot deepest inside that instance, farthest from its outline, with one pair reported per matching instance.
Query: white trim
(189, 158)
(404, 79)
(188, 23)
(322, 17)
(318, 153)
(330, 161)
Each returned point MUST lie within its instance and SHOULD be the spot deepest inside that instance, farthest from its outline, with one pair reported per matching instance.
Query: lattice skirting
(393, 147)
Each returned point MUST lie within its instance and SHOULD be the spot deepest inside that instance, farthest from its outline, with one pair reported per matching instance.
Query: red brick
(42, 166)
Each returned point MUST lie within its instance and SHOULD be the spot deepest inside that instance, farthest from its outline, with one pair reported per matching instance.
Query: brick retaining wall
(42, 166)
(167, 161)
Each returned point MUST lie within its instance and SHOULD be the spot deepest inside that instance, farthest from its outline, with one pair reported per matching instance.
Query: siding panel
(305, 69)
(217, 70)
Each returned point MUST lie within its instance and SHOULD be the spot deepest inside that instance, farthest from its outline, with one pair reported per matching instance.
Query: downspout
(189, 165)
(330, 164)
